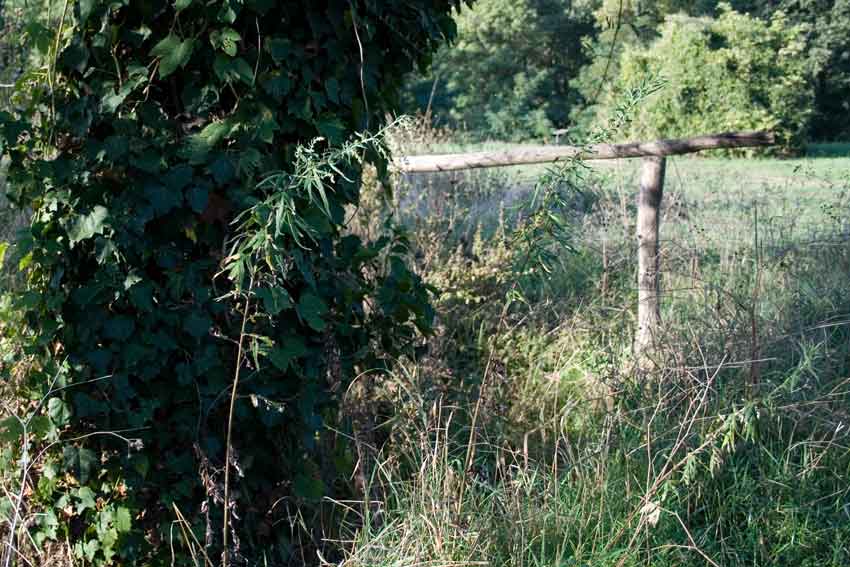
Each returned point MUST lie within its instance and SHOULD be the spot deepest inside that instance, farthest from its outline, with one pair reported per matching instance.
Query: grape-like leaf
(311, 308)
(88, 225)
(173, 53)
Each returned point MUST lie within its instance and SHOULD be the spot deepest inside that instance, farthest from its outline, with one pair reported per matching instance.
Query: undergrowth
(525, 435)
(734, 451)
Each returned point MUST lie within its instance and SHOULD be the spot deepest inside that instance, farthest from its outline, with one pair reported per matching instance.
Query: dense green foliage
(522, 68)
(735, 72)
(145, 131)
(508, 76)
(828, 35)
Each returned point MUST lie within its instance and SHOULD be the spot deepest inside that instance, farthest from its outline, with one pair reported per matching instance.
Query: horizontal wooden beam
(551, 154)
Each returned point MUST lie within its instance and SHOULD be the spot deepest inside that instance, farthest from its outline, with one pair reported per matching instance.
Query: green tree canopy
(735, 72)
(509, 73)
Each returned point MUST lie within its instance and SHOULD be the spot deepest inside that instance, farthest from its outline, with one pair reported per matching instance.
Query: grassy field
(529, 436)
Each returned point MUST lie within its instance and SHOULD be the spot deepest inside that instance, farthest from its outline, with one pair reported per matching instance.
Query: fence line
(651, 192)
(551, 154)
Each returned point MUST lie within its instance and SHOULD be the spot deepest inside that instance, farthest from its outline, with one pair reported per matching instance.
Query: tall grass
(734, 452)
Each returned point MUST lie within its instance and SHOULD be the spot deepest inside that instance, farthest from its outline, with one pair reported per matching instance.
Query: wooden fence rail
(553, 154)
(649, 197)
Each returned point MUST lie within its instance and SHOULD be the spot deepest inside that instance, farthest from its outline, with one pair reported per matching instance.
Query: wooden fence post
(648, 219)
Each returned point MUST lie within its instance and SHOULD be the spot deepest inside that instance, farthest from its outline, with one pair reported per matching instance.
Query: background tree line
(518, 69)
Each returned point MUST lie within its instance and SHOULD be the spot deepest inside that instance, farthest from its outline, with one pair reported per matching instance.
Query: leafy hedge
(148, 130)
(735, 72)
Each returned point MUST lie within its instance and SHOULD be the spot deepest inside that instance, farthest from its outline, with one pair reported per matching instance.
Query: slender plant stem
(228, 447)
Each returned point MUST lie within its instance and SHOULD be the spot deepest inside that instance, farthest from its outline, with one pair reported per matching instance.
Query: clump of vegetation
(195, 306)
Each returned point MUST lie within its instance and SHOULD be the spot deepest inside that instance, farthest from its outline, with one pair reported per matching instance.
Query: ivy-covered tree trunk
(149, 130)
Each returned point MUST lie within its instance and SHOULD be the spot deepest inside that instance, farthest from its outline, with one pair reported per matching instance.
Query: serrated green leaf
(226, 39)
(4, 246)
(59, 411)
(41, 426)
(226, 14)
(11, 430)
(123, 520)
(311, 308)
(331, 128)
(87, 459)
(200, 144)
(308, 488)
(198, 198)
(291, 349)
(275, 299)
(233, 69)
(88, 225)
(112, 100)
(276, 83)
(173, 53)
(86, 499)
(249, 161)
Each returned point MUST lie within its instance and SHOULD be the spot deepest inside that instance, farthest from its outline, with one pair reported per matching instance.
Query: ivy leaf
(58, 411)
(332, 89)
(332, 128)
(226, 40)
(80, 460)
(276, 84)
(200, 144)
(279, 48)
(198, 198)
(275, 299)
(308, 488)
(86, 7)
(291, 349)
(10, 430)
(86, 461)
(162, 199)
(85, 495)
(119, 328)
(180, 5)
(197, 325)
(88, 225)
(123, 520)
(233, 69)
(172, 53)
(266, 125)
(311, 308)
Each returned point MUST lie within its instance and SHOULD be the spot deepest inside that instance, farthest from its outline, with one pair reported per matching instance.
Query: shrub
(169, 145)
(735, 72)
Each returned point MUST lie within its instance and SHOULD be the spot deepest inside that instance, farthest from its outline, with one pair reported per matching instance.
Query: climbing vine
(188, 166)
